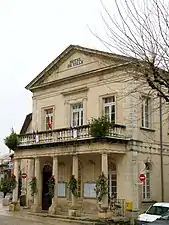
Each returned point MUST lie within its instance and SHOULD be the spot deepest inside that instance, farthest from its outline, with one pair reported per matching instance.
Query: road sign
(142, 177)
(24, 175)
(10, 165)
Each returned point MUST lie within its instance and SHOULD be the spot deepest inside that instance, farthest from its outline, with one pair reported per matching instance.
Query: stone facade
(88, 78)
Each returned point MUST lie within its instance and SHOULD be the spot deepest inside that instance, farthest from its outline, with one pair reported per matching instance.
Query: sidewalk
(61, 219)
(4, 210)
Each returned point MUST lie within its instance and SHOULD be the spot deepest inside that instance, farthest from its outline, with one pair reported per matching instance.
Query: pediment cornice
(96, 72)
(67, 53)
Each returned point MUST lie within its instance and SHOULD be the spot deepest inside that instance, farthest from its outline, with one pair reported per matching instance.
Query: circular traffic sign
(24, 175)
(142, 177)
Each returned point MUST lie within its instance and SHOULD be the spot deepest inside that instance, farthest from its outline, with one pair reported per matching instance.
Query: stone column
(37, 196)
(135, 186)
(105, 171)
(31, 169)
(54, 207)
(16, 173)
(75, 173)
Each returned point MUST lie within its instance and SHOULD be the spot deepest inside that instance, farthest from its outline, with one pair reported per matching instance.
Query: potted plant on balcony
(11, 141)
(100, 127)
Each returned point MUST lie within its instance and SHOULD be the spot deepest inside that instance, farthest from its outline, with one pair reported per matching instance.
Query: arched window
(147, 182)
(112, 180)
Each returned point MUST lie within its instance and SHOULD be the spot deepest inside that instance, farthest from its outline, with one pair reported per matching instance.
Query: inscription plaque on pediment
(75, 62)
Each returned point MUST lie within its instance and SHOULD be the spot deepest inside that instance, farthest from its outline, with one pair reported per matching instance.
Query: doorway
(46, 199)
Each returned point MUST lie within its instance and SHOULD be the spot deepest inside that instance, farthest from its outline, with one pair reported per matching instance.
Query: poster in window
(61, 189)
(89, 190)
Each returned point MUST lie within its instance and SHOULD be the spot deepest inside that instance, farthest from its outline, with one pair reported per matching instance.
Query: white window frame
(110, 105)
(143, 111)
(51, 117)
(80, 111)
(146, 192)
(110, 179)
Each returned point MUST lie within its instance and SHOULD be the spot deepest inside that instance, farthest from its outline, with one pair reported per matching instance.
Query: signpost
(24, 175)
(142, 177)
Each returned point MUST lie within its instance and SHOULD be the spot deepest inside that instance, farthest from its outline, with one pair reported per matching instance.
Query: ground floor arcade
(120, 163)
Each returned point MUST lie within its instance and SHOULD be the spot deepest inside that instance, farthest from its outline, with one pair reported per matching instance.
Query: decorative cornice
(100, 71)
(73, 91)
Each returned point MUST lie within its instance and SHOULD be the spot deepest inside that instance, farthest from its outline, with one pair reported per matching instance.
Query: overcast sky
(32, 34)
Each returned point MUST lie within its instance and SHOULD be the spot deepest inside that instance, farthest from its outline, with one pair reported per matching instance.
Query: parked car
(154, 212)
(163, 220)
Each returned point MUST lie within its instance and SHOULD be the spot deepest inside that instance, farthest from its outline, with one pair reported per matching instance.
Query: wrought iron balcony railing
(67, 134)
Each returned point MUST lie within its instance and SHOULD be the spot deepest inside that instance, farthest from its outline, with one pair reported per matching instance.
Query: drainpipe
(161, 151)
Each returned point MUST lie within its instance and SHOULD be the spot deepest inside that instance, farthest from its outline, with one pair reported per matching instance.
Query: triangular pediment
(73, 61)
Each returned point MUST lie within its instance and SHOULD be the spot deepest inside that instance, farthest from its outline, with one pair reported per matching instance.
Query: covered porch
(85, 167)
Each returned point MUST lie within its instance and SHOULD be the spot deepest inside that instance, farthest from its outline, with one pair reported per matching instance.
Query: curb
(81, 220)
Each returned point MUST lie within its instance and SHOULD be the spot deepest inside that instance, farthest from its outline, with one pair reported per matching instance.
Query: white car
(154, 212)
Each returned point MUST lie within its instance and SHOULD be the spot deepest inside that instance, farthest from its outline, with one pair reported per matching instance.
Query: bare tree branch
(140, 29)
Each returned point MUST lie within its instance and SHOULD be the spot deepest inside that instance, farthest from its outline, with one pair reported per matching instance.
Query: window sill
(147, 129)
(149, 201)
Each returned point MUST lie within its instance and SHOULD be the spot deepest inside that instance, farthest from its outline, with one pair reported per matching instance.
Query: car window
(157, 210)
(165, 216)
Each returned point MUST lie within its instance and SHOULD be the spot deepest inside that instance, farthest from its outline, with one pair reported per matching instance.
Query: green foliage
(8, 185)
(101, 187)
(12, 182)
(51, 185)
(72, 185)
(99, 127)
(33, 184)
(11, 141)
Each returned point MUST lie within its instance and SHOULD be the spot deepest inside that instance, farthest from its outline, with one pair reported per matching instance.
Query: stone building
(81, 84)
(6, 166)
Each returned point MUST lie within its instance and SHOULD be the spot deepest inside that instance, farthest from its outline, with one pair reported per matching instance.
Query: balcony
(82, 133)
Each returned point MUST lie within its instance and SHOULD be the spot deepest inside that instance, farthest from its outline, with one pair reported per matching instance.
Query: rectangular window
(49, 119)
(77, 115)
(146, 112)
(109, 108)
(89, 190)
(62, 189)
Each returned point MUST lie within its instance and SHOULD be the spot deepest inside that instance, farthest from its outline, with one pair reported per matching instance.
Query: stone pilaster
(36, 207)
(16, 173)
(135, 185)
(105, 171)
(54, 207)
